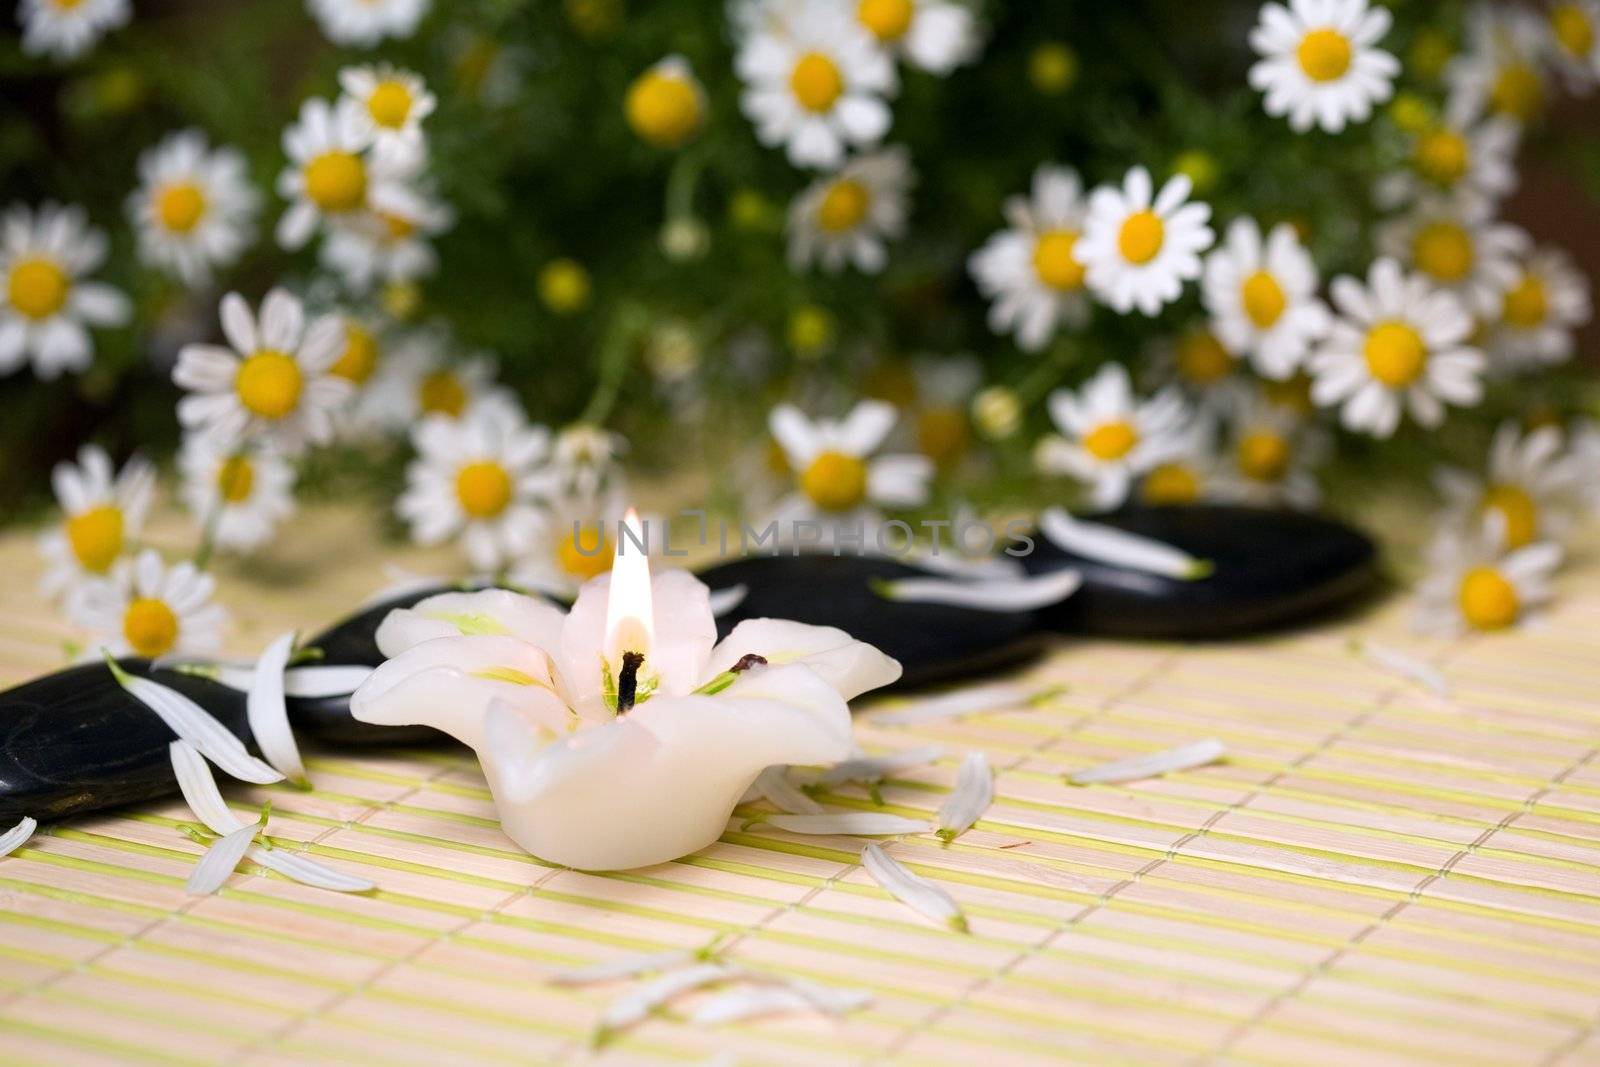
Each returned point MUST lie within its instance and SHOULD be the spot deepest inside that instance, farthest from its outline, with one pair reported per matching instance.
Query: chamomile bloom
(390, 245)
(1575, 42)
(65, 29)
(1458, 246)
(104, 512)
(1397, 341)
(1109, 437)
(846, 217)
(1455, 159)
(45, 302)
(418, 379)
(243, 493)
(1269, 456)
(195, 208)
(1532, 321)
(273, 382)
(145, 608)
(1196, 359)
(1474, 584)
(1319, 64)
(588, 458)
(1030, 271)
(393, 101)
(332, 176)
(478, 479)
(1192, 472)
(1500, 73)
(1137, 251)
(838, 469)
(944, 390)
(363, 23)
(1262, 296)
(573, 545)
(815, 83)
(666, 105)
(935, 35)
(1530, 483)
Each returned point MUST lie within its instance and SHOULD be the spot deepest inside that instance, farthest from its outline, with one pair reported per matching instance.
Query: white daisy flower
(333, 176)
(847, 217)
(1270, 453)
(1195, 359)
(1532, 321)
(418, 379)
(1262, 296)
(195, 208)
(1457, 244)
(1193, 471)
(363, 23)
(588, 458)
(45, 302)
(1575, 42)
(1138, 252)
(243, 493)
(573, 544)
(104, 513)
(1111, 436)
(1030, 271)
(944, 390)
(393, 101)
(935, 35)
(1501, 71)
(272, 383)
(387, 246)
(1477, 158)
(146, 608)
(1396, 340)
(816, 84)
(837, 474)
(1474, 584)
(1319, 64)
(1531, 484)
(65, 29)
(478, 479)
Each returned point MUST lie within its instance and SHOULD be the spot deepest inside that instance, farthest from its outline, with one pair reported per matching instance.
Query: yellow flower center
(942, 434)
(887, 19)
(1263, 299)
(816, 82)
(1526, 303)
(1264, 456)
(564, 286)
(1294, 394)
(1517, 92)
(235, 478)
(1572, 29)
(1111, 440)
(1488, 601)
(1201, 358)
(1140, 237)
(96, 537)
(1395, 354)
(441, 393)
(1517, 509)
(1170, 483)
(1324, 54)
(180, 206)
(390, 104)
(336, 181)
(66, 5)
(360, 356)
(1443, 250)
(843, 206)
(150, 627)
(835, 481)
(268, 384)
(1054, 262)
(1052, 68)
(662, 108)
(483, 488)
(1442, 156)
(585, 553)
(37, 288)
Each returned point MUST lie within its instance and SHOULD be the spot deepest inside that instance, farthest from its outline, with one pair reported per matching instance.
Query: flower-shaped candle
(622, 733)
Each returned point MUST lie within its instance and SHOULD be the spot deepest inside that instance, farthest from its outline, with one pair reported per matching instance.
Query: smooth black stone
(76, 741)
(933, 642)
(1273, 569)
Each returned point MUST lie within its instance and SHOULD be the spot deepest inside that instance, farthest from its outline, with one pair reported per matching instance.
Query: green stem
(615, 356)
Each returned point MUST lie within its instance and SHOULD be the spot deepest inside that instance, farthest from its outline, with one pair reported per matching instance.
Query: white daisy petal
(1097, 541)
(194, 724)
(1182, 758)
(18, 835)
(269, 715)
(1006, 595)
(219, 861)
(914, 891)
(972, 796)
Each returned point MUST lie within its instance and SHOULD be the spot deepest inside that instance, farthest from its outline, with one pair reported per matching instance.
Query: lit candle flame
(630, 615)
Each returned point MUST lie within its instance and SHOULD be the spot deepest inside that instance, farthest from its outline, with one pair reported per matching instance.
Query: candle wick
(748, 660)
(628, 681)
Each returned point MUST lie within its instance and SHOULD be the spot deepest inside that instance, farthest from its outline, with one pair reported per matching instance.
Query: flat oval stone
(1273, 569)
(933, 642)
(76, 741)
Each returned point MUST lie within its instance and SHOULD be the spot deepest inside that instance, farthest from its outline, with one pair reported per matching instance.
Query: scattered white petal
(1181, 758)
(308, 871)
(200, 790)
(629, 1009)
(954, 705)
(876, 768)
(323, 681)
(622, 967)
(869, 823)
(269, 715)
(1390, 659)
(18, 835)
(725, 600)
(973, 794)
(1093, 540)
(775, 786)
(195, 725)
(914, 891)
(220, 860)
(828, 999)
(1007, 595)
(748, 1002)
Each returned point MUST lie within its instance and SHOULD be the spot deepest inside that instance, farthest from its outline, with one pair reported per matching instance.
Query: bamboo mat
(1375, 875)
